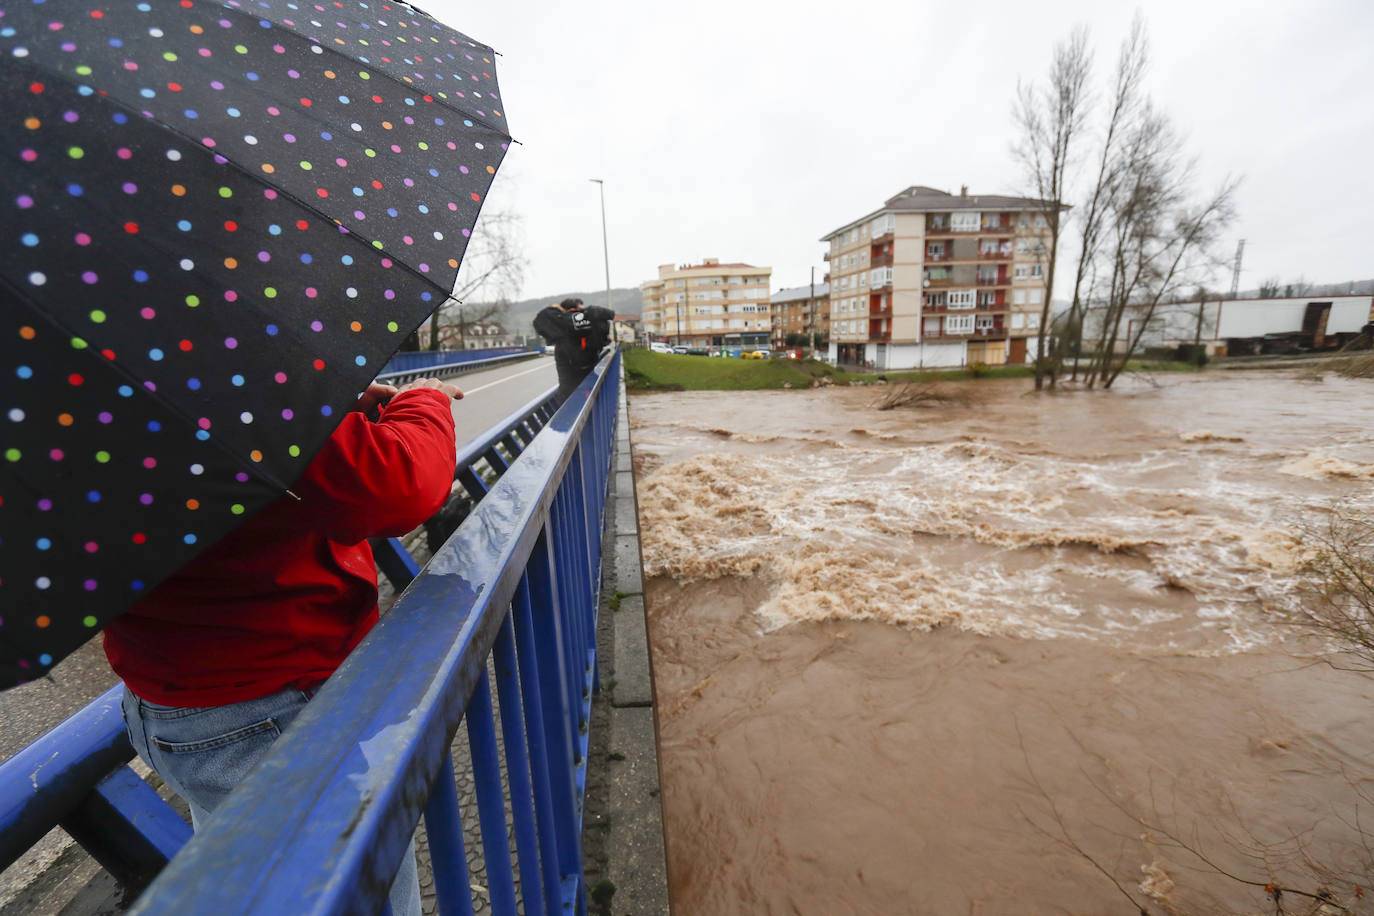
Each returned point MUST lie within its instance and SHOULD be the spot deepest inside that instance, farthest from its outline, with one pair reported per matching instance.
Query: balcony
(1004, 254)
(975, 334)
(880, 260)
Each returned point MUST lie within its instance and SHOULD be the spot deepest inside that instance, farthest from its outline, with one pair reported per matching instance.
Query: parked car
(680, 350)
(660, 347)
(548, 351)
(756, 354)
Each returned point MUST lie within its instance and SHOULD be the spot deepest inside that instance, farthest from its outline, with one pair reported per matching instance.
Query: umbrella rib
(43, 315)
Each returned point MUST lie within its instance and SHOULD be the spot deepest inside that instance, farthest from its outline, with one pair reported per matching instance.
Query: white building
(1238, 327)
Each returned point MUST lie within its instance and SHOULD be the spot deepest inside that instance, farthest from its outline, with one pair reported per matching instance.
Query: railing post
(491, 806)
(558, 709)
(533, 685)
(447, 853)
(515, 732)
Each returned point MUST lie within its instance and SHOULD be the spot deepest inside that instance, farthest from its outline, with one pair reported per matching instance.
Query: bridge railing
(403, 367)
(321, 824)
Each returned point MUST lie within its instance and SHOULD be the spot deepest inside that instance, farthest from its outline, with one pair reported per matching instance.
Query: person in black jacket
(577, 334)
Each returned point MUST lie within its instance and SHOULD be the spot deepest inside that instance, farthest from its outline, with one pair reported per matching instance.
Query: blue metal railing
(321, 825)
(405, 366)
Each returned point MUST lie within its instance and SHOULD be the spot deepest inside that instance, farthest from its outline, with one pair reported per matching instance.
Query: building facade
(801, 311)
(708, 305)
(932, 279)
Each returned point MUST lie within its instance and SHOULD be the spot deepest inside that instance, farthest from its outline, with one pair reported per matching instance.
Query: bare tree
(1050, 118)
(1341, 568)
(1269, 289)
(1299, 287)
(1157, 240)
(493, 268)
(1127, 101)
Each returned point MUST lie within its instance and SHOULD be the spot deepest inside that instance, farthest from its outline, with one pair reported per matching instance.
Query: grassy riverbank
(648, 371)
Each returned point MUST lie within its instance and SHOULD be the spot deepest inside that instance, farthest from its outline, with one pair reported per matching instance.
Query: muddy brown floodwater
(1010, 657)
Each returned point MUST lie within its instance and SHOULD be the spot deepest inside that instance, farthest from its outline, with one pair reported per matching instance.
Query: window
(1018, 321)
(1040, 221)
(880, 276)
(736, 281)
(931, 327)
(1018, 297)
(988, 246)
(959, 324)
(985, 323)
(987, 275)
(935, 299)
(935, 250)
(938, 222)
(992, 221)
(679, 283)
(1037, 270)
(1032, 320)
(881, 225)
(987, 297)
(937, 273)
(1021, 272)
(1036, 296)
(960, 299)
(1022, 245)
(1023, 221)
(964, 222)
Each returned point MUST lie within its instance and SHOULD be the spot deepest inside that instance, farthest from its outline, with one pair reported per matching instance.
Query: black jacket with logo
(577, 335)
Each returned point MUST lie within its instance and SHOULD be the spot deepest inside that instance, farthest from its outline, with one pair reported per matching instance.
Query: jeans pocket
(267, 727)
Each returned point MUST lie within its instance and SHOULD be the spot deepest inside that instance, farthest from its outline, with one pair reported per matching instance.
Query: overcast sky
(736, 131)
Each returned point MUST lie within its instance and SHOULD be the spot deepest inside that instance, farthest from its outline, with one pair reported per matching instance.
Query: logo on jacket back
(581, 321)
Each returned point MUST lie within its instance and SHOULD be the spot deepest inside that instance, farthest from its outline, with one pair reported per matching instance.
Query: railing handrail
(400, 376)
(321, 824)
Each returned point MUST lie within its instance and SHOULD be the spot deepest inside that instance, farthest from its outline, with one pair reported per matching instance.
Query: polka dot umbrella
(220, 220)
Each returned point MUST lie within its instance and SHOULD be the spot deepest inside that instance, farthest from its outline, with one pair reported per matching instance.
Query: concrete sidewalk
(623, 830)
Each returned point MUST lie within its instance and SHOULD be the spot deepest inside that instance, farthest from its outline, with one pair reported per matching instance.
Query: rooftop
(794, 293)
(922, 199)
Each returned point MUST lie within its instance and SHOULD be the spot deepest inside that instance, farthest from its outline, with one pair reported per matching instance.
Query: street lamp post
(605, 250)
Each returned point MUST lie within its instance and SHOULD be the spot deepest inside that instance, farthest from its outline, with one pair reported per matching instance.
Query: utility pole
(605, 250)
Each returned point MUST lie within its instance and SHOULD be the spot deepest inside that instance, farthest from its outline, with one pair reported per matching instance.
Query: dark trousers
(569, 377)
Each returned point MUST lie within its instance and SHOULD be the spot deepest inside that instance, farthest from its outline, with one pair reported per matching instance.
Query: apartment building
(708, 305)
(802, 311)
(933, 279)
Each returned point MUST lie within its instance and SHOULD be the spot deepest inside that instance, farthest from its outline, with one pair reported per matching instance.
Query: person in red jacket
(218, 659)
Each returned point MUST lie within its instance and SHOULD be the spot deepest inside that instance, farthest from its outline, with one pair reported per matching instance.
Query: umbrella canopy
(220, 220)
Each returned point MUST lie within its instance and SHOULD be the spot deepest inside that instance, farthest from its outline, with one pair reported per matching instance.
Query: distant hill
(520, 315)
(1301, 288)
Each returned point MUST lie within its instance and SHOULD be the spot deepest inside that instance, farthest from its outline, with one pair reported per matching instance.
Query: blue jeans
(204, 752)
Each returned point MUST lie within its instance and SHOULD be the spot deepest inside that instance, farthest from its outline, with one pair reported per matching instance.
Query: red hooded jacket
(285, 597)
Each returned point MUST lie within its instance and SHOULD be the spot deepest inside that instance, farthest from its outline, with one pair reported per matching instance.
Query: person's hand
(375, 394)
(448, 389)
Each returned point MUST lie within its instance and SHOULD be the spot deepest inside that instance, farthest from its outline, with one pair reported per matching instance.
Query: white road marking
(468, 391)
